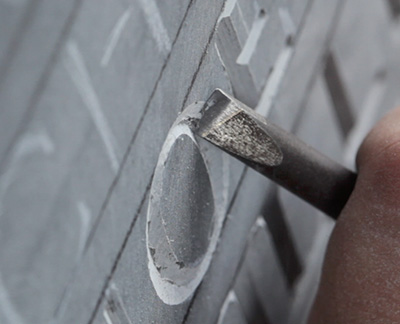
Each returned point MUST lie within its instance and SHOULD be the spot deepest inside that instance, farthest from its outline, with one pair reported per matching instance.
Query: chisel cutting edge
(281, 156)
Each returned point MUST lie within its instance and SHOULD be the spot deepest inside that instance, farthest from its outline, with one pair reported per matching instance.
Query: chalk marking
(260, 223)
(30, 143)
(273, 85)
(253, 38)
(114, 37)
(77, 70)
(156, 25)
(85, 216)
(107, 317)
(229, 6)
(225, 176)
(229, 300)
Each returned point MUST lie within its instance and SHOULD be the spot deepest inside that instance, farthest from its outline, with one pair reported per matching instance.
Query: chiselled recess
(179, 230)
(185, 212)
(188, 202)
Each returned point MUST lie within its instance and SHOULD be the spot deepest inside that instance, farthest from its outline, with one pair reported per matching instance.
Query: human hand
(360, 281)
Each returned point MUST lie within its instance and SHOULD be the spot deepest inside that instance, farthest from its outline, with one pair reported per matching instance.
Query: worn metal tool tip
(238, 130)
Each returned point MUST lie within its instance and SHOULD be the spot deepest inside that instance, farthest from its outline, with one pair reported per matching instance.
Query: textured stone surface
(88, 92)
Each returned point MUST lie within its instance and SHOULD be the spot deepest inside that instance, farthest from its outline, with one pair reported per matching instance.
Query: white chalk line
(77, 70)
(229, 300)
(38, 141)
(114, 37)
(228, 8)
(85, 216)
(156, 25)
(274, 82)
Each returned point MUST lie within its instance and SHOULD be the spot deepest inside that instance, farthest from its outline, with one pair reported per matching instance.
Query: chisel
(277, 154)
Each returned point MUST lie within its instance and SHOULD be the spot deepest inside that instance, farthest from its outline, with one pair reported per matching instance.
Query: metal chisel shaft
(275, 153)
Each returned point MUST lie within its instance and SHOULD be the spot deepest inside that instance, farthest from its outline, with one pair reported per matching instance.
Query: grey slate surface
(88, 92)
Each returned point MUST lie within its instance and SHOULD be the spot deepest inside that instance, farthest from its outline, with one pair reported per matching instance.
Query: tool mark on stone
(77, 70)
(114, 37)
(169, 242)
